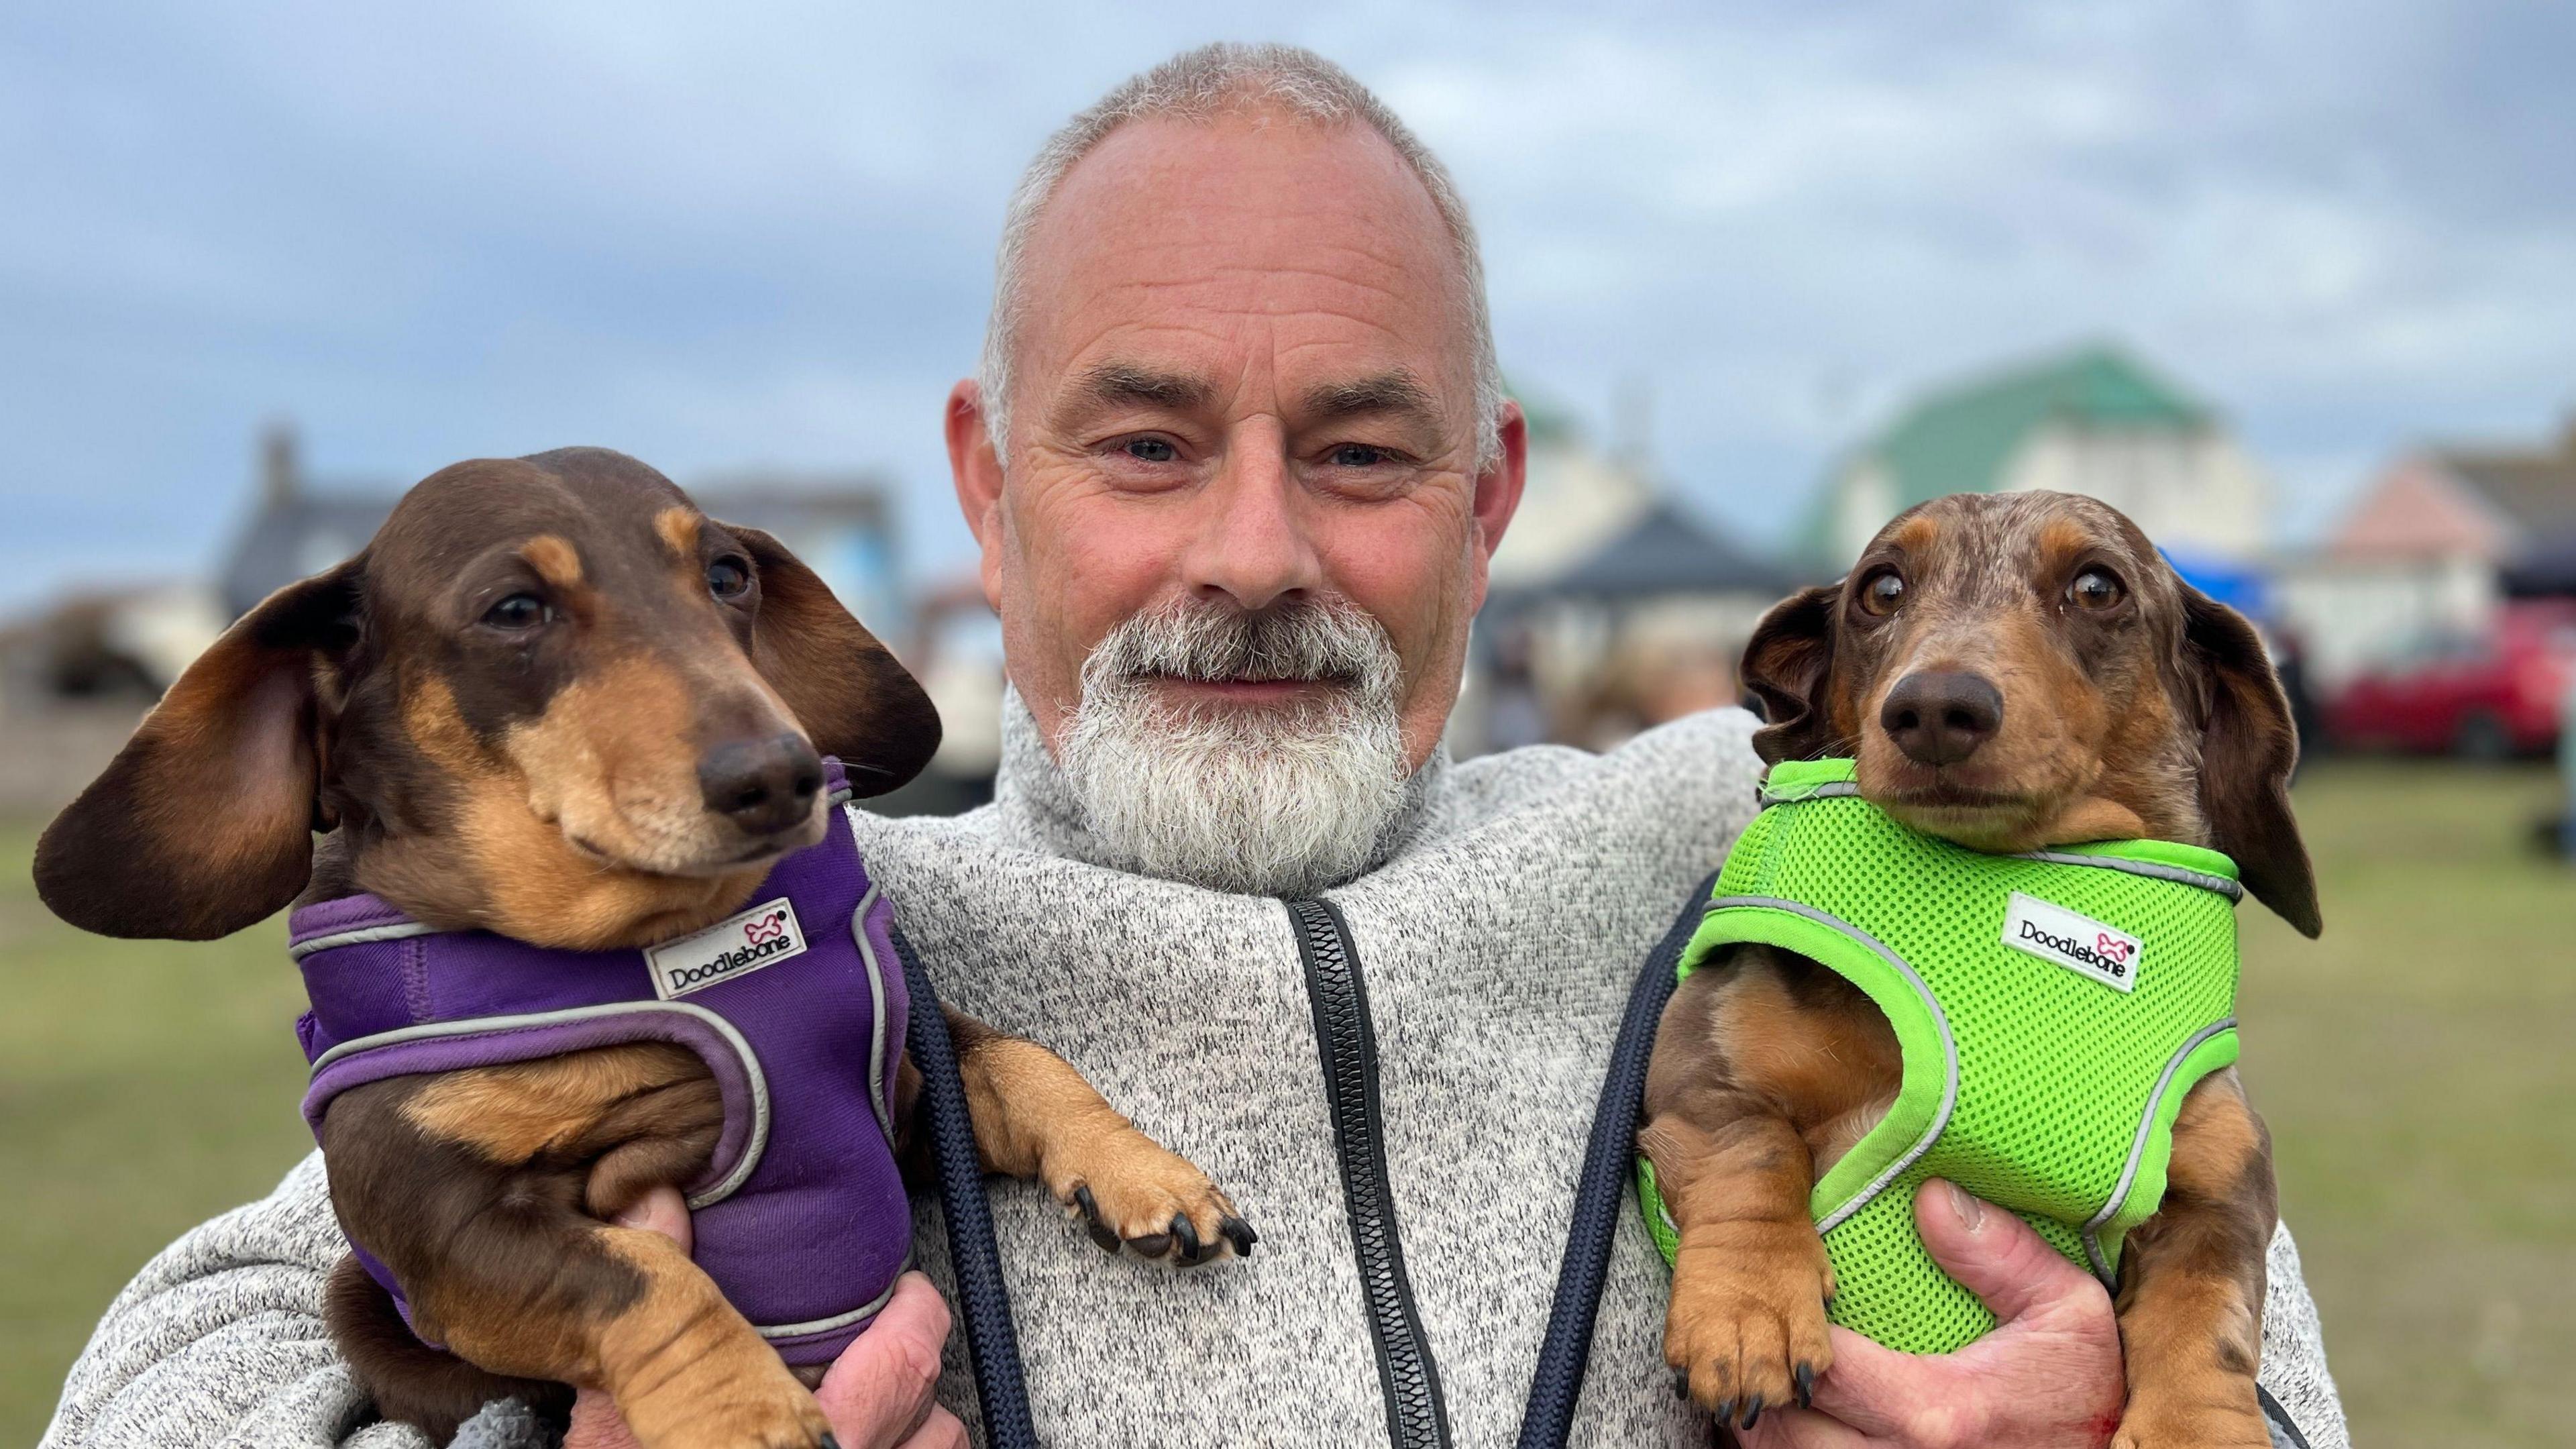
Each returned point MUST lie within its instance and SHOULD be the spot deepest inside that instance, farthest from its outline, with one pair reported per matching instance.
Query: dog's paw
(1747, 1326)
(2151, 1425)
(1129, 1191)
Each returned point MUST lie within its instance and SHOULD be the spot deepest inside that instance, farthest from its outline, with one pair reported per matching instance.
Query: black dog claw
(1681, 1383)
(1752, 1413)
(1239, 1233)
(1806, 1386)
(1725, 1410)
(829, 1442)
(1099, 1231)
(1187, 1233)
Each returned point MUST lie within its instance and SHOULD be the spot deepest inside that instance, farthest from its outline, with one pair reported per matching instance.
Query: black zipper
(1416, 1417)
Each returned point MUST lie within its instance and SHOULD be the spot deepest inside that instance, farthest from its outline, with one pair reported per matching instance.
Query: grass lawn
(2416, 1066)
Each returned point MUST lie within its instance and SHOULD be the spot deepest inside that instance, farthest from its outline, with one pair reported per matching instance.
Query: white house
(2094, 422)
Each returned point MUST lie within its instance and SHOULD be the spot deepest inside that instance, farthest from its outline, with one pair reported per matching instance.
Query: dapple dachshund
(2010, 672)
(554, 701)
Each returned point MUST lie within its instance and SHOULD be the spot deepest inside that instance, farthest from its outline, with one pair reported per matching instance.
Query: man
(1236, 460)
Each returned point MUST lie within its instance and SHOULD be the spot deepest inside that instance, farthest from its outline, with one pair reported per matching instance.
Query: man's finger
(1998, 1257)
(880, 1389)
(596, 1424)
(1796, 1428)
(660, 1210)
(1868, 1387)
(941, 1430)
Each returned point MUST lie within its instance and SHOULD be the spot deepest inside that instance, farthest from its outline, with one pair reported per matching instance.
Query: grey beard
(1264, 801)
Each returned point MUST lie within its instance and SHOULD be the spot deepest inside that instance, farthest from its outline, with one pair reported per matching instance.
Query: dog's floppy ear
(2248, 747)
(845, 687)
(1786, 665)
(204, 824)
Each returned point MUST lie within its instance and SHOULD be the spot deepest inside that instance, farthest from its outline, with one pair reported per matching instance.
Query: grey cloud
(764, 234)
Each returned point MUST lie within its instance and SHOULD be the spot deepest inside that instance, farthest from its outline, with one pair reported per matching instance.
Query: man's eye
(1358, 455)
(518, 613)
(1150, 450)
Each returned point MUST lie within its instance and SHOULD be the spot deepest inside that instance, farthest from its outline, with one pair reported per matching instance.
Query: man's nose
(1940, 717)
(764, 785)
(1253, 544)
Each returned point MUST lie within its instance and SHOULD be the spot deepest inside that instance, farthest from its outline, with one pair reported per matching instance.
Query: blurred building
(75, 678)
(2422, 560)
(840, 524)
(1612, 607)
(2095, 421)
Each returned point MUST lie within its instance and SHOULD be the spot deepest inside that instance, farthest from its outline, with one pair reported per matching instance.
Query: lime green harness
(2053, 1009)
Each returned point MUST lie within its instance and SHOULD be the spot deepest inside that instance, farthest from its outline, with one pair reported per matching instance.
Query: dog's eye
(727, 578)
(2094, 589)
(1883, 591)
(518, 613)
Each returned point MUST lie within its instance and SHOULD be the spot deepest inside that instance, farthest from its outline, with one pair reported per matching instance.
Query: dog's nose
(1941, 717)
(764, 786)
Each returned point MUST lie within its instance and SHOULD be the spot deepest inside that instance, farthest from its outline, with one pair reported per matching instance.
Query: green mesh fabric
(2065, 1087)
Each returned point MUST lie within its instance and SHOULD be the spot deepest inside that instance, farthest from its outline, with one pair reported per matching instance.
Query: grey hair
(1199, 86)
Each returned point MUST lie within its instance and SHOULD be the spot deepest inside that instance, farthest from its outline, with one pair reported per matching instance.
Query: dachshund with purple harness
(555, 774)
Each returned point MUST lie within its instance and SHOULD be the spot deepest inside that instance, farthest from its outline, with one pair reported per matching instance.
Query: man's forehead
(1242, 165)
(1173, 238)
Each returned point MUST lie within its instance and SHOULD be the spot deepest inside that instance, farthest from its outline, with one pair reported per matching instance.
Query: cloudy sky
(756, 233)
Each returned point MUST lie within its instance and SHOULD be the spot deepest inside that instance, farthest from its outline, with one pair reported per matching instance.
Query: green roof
(1958, 440)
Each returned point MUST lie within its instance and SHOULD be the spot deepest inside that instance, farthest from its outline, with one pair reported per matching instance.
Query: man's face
(1243, 379)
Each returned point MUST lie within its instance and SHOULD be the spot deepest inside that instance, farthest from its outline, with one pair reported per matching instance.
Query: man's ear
(1498, 493)
(975, 466)
(204, 823)
(1786, 665)
(848, 692)
(2248, 747)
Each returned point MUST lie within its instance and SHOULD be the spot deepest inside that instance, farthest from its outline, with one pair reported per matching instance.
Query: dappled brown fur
(2130, 706)
(503, 713)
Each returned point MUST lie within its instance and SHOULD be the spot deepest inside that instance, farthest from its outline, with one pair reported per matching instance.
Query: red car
(2485, 698)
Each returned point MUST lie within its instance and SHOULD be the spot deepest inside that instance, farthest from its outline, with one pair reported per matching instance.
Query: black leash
(983, 1301)
(1601, 1193)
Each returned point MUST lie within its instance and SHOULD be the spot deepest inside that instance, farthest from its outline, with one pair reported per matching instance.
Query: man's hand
(879, 1394)
(2047, 1377)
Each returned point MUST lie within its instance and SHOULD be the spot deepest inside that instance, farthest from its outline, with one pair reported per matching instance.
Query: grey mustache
(1310, 642)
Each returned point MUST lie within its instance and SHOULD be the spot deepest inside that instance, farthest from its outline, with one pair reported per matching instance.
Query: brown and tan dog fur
(2010, 671)
(553, 700)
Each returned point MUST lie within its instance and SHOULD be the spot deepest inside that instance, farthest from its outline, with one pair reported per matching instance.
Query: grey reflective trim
(358, 937)
(837, 1320)
(2100, 1260)
(1940, 1022)
(2147, 868)
(876, 1003)
(477, 1026)
(1830, 790)
(2138, 1148)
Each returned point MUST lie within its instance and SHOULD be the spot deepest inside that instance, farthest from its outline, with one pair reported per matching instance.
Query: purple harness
(796, 1004)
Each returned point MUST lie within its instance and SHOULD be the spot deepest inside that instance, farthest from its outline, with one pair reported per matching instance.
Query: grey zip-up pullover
(1410, 1235)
